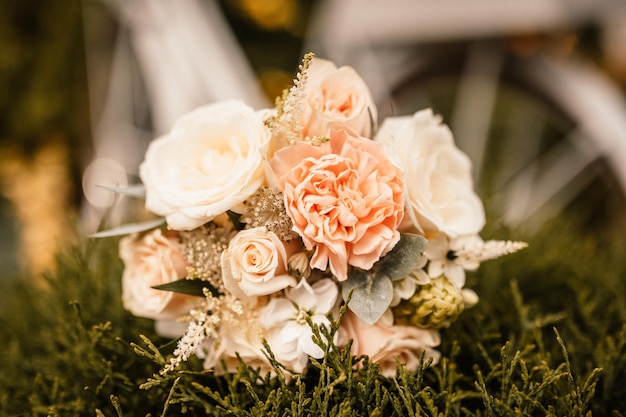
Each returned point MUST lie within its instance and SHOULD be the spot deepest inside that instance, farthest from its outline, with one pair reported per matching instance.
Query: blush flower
(385, 342)
(440, 195)
(345, 198)
(209, 163)
(255, 264)
(153, 259)
(336, 97)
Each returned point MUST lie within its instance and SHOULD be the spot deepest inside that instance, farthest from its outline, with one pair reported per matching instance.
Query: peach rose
(255, 264)
(385, 342)
(440, 191)
(153, 259)
(345, 198)
(336, 97)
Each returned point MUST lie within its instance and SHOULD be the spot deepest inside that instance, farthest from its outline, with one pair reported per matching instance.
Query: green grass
(548, 338)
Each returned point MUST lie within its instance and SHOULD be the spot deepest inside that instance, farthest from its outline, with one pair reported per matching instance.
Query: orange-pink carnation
(345, 198)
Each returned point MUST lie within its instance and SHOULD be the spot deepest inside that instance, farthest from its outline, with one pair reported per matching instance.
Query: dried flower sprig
(201, 326)
(479, 251)
(285, 123)
(203, 249)
(266, 208)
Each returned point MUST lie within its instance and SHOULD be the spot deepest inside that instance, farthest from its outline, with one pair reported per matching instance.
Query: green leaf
(401, 260)
(129, 228)
(189, 287)
(235, 218)
(371, 296)
(133, 190)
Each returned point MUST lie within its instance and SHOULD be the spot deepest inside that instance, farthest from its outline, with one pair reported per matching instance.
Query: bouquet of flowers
(274, 220)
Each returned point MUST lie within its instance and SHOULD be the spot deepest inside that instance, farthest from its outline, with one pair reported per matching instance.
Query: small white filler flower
(289, 335)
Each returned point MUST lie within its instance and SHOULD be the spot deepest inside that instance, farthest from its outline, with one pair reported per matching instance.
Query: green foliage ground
(547, 339)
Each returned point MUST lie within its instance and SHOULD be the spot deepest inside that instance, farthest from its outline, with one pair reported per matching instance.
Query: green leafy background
(547, 338)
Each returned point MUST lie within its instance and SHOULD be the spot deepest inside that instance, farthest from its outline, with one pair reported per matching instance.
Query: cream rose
(336, 97)
(209, 163)
(255, 264)
(439, 186)
(153, 259)
(345, 199)
(385, 342)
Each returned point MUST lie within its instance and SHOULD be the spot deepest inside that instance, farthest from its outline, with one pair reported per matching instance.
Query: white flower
(209, 163)
(405, 288)
(463, 250)
(255, 264)
(439, 186)
(441, 261)
(288, 333)
(470, 298)
(452, 257)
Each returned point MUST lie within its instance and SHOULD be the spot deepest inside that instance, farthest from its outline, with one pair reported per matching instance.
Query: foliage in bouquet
(67, 349)
(278, 219)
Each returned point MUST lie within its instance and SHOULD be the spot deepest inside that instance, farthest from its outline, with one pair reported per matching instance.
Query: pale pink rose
(336, 97)
(149, 260)
(440, 193)
(385, 342)
(255, 264)
(210, 162)
(345, 198)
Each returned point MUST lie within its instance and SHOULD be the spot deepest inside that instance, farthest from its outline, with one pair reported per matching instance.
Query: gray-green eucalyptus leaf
(403, 258)
(133, 190)
(371, 296)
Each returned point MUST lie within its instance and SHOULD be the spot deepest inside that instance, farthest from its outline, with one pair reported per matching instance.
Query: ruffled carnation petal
(345, 199)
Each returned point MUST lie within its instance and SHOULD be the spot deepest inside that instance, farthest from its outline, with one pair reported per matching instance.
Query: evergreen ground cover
(548, 338)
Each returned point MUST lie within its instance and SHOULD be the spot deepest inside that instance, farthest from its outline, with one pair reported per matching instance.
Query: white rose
(438, 176)
(153, 259)
(255, 264)
(336, 97)
(209, 163)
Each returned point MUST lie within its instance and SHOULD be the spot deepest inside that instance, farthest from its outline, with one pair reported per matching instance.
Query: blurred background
(534, 92)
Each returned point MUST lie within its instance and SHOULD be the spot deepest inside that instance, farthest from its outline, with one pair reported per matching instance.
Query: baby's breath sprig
(202, 324)
(319, 140)
(203, 249)
(266, 208)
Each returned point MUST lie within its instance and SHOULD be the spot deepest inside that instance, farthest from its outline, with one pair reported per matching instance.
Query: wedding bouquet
(274, 220)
